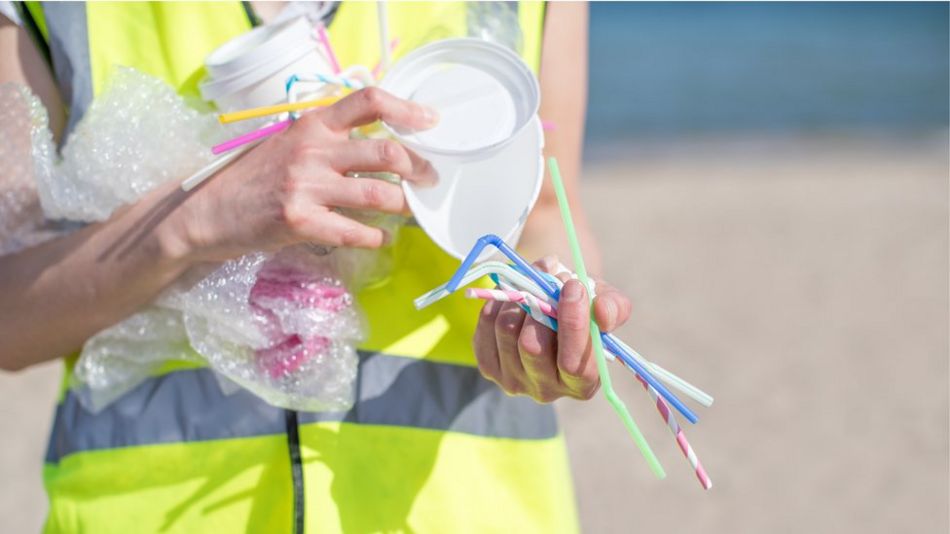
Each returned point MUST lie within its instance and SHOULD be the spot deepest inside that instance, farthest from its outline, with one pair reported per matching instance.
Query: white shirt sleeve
(9, 11)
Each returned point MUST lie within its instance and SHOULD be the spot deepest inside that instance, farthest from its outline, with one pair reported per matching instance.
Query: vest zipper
(251, 15)
(296, 467)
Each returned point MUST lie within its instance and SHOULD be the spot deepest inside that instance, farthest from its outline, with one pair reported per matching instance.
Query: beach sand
(802, 282)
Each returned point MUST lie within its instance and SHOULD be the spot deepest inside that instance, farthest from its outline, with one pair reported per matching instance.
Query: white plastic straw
(383, 34)
(195, 179)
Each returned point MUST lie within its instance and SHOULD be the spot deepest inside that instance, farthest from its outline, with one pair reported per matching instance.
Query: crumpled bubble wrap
(118, 358)
(23, 130)
(283, 326)
(138, 135)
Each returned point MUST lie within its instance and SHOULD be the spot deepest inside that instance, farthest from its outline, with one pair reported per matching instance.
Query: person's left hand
(525, 357)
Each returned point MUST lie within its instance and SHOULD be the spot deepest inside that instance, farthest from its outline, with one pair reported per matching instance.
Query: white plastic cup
(252, 69)
(486, 148)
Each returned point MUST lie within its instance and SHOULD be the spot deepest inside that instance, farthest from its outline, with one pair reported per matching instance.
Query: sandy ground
(803, 283)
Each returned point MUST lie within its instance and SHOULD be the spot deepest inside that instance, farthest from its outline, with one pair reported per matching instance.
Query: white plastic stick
(489, 267)
(672, 380)
(383, 34)
(210, 169)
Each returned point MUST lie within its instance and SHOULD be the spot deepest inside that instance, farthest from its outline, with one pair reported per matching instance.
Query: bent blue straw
(552, 291)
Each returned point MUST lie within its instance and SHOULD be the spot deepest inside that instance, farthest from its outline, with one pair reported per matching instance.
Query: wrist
(174, 237)
(173, 246)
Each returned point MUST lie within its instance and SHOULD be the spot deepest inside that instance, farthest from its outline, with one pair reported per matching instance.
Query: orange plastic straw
(254, 113)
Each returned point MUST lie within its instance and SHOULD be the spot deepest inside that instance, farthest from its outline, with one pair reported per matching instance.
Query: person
(430, 445)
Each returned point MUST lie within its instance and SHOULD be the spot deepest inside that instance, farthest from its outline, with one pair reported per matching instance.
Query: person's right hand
(286, 190)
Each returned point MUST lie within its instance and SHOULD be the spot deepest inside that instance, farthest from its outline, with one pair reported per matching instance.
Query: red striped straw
(250, 137)
(325, 41)
(523, 297)
(518, 297)
(379, 64)
(681, 440)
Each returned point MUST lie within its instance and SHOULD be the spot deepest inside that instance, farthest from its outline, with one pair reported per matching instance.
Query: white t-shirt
(10, 12)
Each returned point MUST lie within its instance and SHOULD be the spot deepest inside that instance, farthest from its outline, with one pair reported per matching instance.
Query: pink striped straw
(519, 297)
(379, 64)
(523, 297)
(678, 433)
(250, 137)
(325, 41)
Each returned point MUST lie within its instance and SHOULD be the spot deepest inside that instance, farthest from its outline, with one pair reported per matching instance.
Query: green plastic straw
(598, 345)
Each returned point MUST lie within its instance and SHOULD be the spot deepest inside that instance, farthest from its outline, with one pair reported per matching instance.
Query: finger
(611, 308)
(373, 104)
(486, 350)
(371, 155)
(365, 194)
(423, 173)
(573, 337)
(336, 230)
(383, 155)
(537, 346)
(548, 263)
(508, 325)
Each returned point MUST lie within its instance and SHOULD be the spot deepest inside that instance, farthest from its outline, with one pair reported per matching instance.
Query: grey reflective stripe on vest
(188, 406)
(69, 50)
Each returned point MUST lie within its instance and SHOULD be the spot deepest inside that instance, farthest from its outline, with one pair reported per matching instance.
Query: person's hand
(287, 189)
(524, 357)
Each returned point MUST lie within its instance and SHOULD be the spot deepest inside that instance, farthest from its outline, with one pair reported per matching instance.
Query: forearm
(563, 104)
(57, 295)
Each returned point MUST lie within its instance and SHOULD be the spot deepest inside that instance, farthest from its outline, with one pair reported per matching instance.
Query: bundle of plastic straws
(537, 293)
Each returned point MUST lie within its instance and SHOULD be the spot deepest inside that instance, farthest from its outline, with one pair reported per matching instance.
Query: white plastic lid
(484, 93)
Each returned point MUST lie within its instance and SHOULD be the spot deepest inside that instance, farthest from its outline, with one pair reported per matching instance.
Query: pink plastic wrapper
(282, 287)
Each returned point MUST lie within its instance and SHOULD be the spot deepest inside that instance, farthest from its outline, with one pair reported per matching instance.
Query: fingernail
(572, 291)
(427, 174)
(611, 313)
(430, 116)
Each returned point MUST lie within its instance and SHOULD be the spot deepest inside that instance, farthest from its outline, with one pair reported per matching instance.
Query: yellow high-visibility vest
(430, 446)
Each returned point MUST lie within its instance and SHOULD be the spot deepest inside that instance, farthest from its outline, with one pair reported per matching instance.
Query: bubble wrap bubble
(283, 326)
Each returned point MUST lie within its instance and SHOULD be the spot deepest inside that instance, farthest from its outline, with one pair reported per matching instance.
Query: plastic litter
(283, 325)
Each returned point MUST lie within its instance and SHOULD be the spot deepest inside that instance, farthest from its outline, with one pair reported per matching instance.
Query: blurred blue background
(665, 70)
